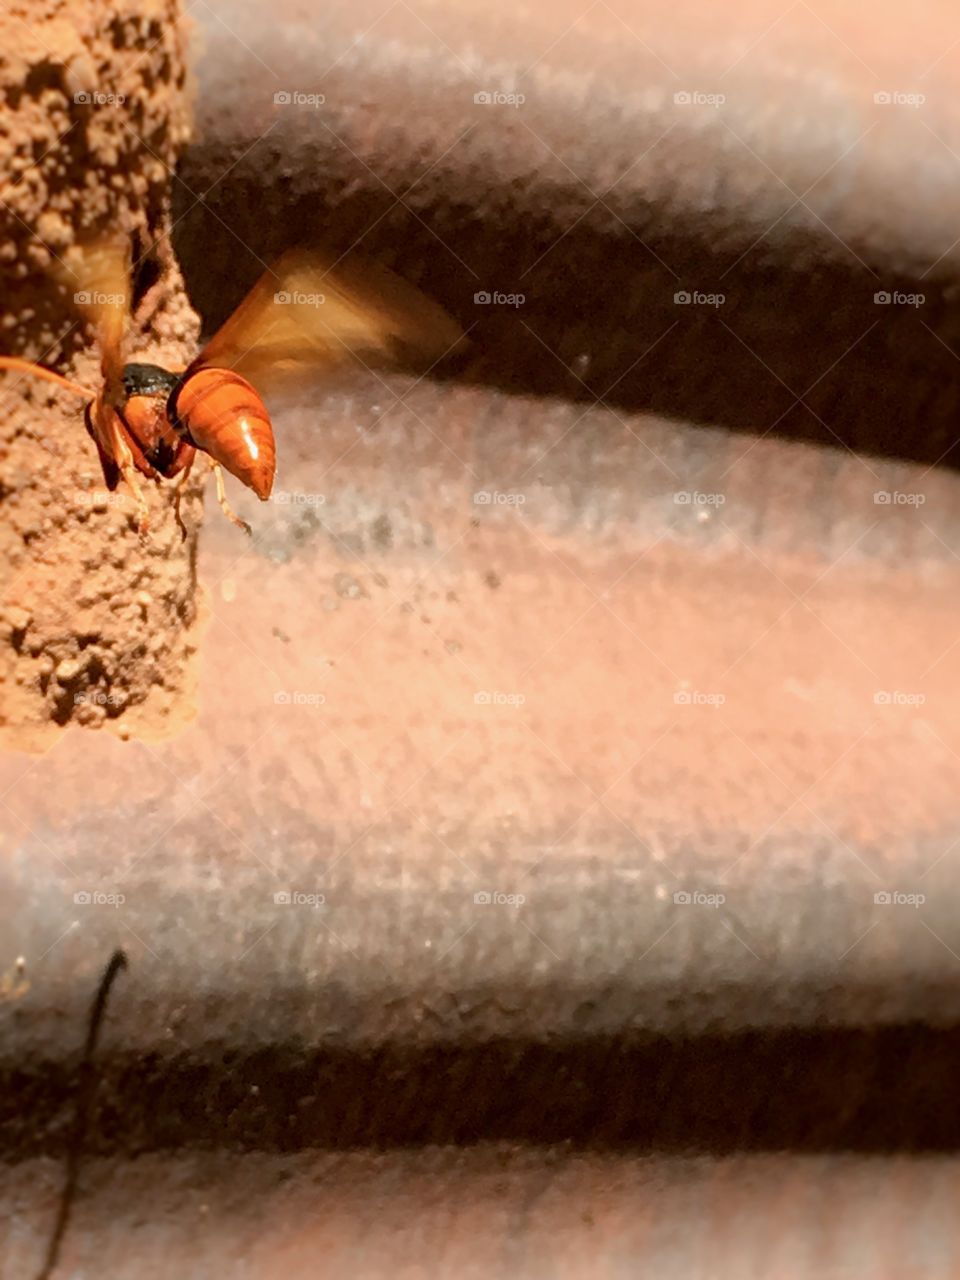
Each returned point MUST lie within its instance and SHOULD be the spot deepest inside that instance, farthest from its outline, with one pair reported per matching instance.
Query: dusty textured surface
(294, 876)
(95, 625)
(340, 750)
(492, 1212)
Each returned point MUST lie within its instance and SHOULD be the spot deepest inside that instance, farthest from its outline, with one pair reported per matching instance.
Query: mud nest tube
(97, 625)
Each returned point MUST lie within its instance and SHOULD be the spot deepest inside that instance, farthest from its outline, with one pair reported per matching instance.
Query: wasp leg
(177, 495)
(222, 498)
(143, 515)
(123, 457)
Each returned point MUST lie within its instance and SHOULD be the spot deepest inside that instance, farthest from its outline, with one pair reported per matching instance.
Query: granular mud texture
(97, 623)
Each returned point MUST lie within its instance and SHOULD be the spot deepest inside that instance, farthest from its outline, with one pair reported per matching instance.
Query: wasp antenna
(35, 370)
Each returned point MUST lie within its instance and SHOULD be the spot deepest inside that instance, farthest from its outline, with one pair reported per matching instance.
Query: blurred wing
(309, 312)
(97, 275)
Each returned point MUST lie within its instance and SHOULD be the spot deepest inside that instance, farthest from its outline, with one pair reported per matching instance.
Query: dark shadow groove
(869, 1091)
(599, 316)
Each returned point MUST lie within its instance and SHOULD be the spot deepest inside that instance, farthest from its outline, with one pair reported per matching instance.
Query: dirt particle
(382, 533)
(90, 714)
(17, 620)
(348, 587)
(69, 670)
(52, 229)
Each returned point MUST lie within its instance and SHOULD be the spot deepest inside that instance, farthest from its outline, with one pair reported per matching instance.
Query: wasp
(306, 314)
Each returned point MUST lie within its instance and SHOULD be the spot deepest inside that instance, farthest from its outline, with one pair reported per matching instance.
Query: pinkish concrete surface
(754, 698)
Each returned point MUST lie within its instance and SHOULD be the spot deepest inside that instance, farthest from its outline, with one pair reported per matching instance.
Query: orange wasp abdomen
(219, 412)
